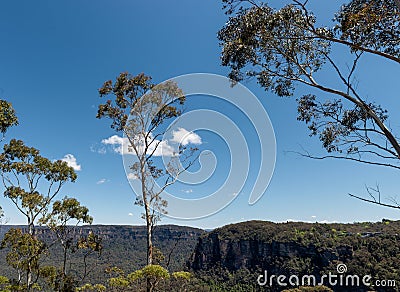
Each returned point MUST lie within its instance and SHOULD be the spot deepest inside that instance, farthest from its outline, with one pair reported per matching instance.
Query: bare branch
(374, 202)
(345, 158)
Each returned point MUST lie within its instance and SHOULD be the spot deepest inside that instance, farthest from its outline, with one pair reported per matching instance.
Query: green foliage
(90, 287)
(4, 284)
(155, 272)
(8, 117)
(118, 283)
(24, 254)
(135, 276)
(64, 211)
(129, 90)
(91, 242)
(150, 277)
(270, 40)
(182, 275)
(372, 24)
(4, 280)
(26, 160)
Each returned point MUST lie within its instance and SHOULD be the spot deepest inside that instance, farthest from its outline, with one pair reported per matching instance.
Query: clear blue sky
(54, 56)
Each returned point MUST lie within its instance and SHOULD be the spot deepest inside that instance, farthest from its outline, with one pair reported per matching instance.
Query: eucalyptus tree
(24, 255)
(286, 48)
(137, 110)
(31, 182)
(63, 214)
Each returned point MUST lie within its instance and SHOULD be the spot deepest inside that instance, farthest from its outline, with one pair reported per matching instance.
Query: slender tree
(88, 245)
(64, 213)
(138, 110)
(284, 48)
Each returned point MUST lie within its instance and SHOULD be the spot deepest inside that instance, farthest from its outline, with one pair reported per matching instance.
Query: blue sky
(55, 55)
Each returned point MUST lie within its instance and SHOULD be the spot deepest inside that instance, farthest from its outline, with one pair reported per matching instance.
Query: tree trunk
(29, 278)
(149, 244)
(64, 264)
(31, 230)
(149, 226)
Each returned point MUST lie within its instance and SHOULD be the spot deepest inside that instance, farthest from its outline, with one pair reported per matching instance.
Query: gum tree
(286, 48)
(137, 109)
(60, 220)
(31, 182)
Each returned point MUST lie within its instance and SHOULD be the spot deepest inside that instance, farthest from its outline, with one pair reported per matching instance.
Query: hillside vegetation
(239, 253)
(232, 257)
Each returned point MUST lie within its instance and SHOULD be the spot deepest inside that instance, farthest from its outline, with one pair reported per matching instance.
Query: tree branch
(345, 158)
(374, 202)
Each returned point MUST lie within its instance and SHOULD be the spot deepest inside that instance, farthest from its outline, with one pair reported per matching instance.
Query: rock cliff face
(252, 254)
(288, 247)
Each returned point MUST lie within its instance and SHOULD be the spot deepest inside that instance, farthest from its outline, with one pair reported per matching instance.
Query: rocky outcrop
(252, 254)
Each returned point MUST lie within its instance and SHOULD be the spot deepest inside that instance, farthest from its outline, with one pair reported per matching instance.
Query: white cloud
(130, 214)
(184, 137)
(96, 149)
(181, 136)
(132, 176)
(71, 161)
(102, 181)
(313, 216)
(121, 146)
(163, 149)
(113, 140)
